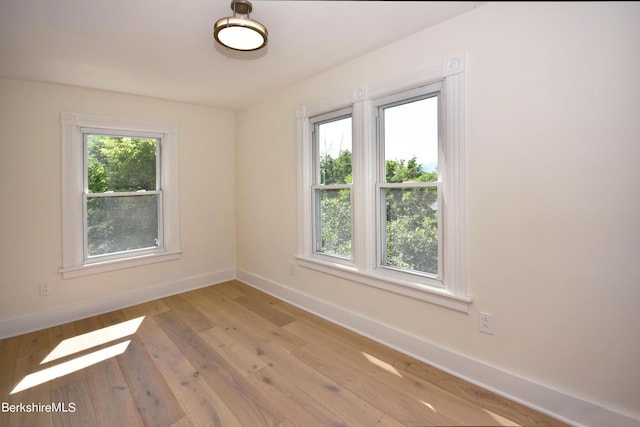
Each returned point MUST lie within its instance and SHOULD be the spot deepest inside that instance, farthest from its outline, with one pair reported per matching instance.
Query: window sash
(127, 134)
(397, 99)
(159, 247)
(89, 258)
(319, 223)
(317, 187)
(381, 235)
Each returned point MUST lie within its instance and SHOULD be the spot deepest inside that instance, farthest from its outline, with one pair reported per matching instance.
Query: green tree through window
(123, 194)
(412, 220)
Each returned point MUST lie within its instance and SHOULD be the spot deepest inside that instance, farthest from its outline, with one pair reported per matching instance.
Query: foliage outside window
(123, 197)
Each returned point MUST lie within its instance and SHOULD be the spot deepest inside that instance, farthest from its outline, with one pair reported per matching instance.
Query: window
(408, 182)
(119, 194)
(332, 184)
(123, 195)
(382, 185)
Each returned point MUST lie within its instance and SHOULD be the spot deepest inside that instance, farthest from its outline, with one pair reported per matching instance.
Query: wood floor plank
(232, 355)
(231, 289)
(155, 401)
(31, 349)
(343, 403)
(59, 333)
(265, 309)
(248, 404)
(145, 309)
(207, 301)
(243, 360)
(400, 406)
(387, 421)
(189, 314)
(398, 360)
(8, 358)
(302, 409)
(238, 313)
(427, 394)
(111, 396)
(287, 423)
(89, 324)
(77, 409)
(186, 422)
(310, 380)
(499, 405)
(200, 403)
(238, 321)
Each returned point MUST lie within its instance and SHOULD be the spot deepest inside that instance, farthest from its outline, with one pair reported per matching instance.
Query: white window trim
(73, 259)
(380, 102)
(363, 269)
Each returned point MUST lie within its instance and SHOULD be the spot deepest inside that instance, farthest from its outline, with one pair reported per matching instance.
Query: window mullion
(124, 193)
(364, 184)
(410, 184)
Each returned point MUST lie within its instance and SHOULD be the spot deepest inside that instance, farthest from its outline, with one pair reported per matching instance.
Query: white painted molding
(69, 313)
(74, 263)
(430, 294)
(553, 402)
(118, 264)
(454, 65)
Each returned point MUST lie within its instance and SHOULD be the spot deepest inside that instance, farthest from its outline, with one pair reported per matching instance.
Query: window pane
(334, 151)
(334, 226)
(411, 229)
(116, 163)
(411, 141)
(122, 223)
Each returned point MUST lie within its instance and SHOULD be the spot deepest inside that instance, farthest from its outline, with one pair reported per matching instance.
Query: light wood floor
(230, 355)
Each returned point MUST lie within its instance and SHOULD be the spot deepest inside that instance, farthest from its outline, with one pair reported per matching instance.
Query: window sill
(441, 297)
(118, 264)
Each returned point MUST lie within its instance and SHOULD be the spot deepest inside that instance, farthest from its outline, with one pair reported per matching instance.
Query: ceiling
(165, 48)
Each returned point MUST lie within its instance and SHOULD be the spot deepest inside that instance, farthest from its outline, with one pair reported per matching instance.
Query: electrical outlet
(486, 323)
(44, 289)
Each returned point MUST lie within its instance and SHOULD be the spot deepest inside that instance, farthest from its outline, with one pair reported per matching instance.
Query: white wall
(30, 218)
(553, 136)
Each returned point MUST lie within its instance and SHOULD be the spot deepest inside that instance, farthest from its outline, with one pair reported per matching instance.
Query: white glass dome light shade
(240, 33)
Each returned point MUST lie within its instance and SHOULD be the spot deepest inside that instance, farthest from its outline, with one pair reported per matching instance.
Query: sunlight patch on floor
(502, 421)
(382, 364)
(78, 344)
(93, 339)
(66, 368)
(428, 405)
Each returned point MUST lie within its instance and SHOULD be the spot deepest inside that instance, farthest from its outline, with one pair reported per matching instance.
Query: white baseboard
(560, 405)
(59, 315)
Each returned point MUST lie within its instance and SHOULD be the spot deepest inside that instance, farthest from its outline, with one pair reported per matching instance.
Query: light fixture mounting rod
(242, 7)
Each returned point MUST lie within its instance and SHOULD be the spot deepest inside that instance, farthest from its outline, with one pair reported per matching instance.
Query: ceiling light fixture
(238, 32)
